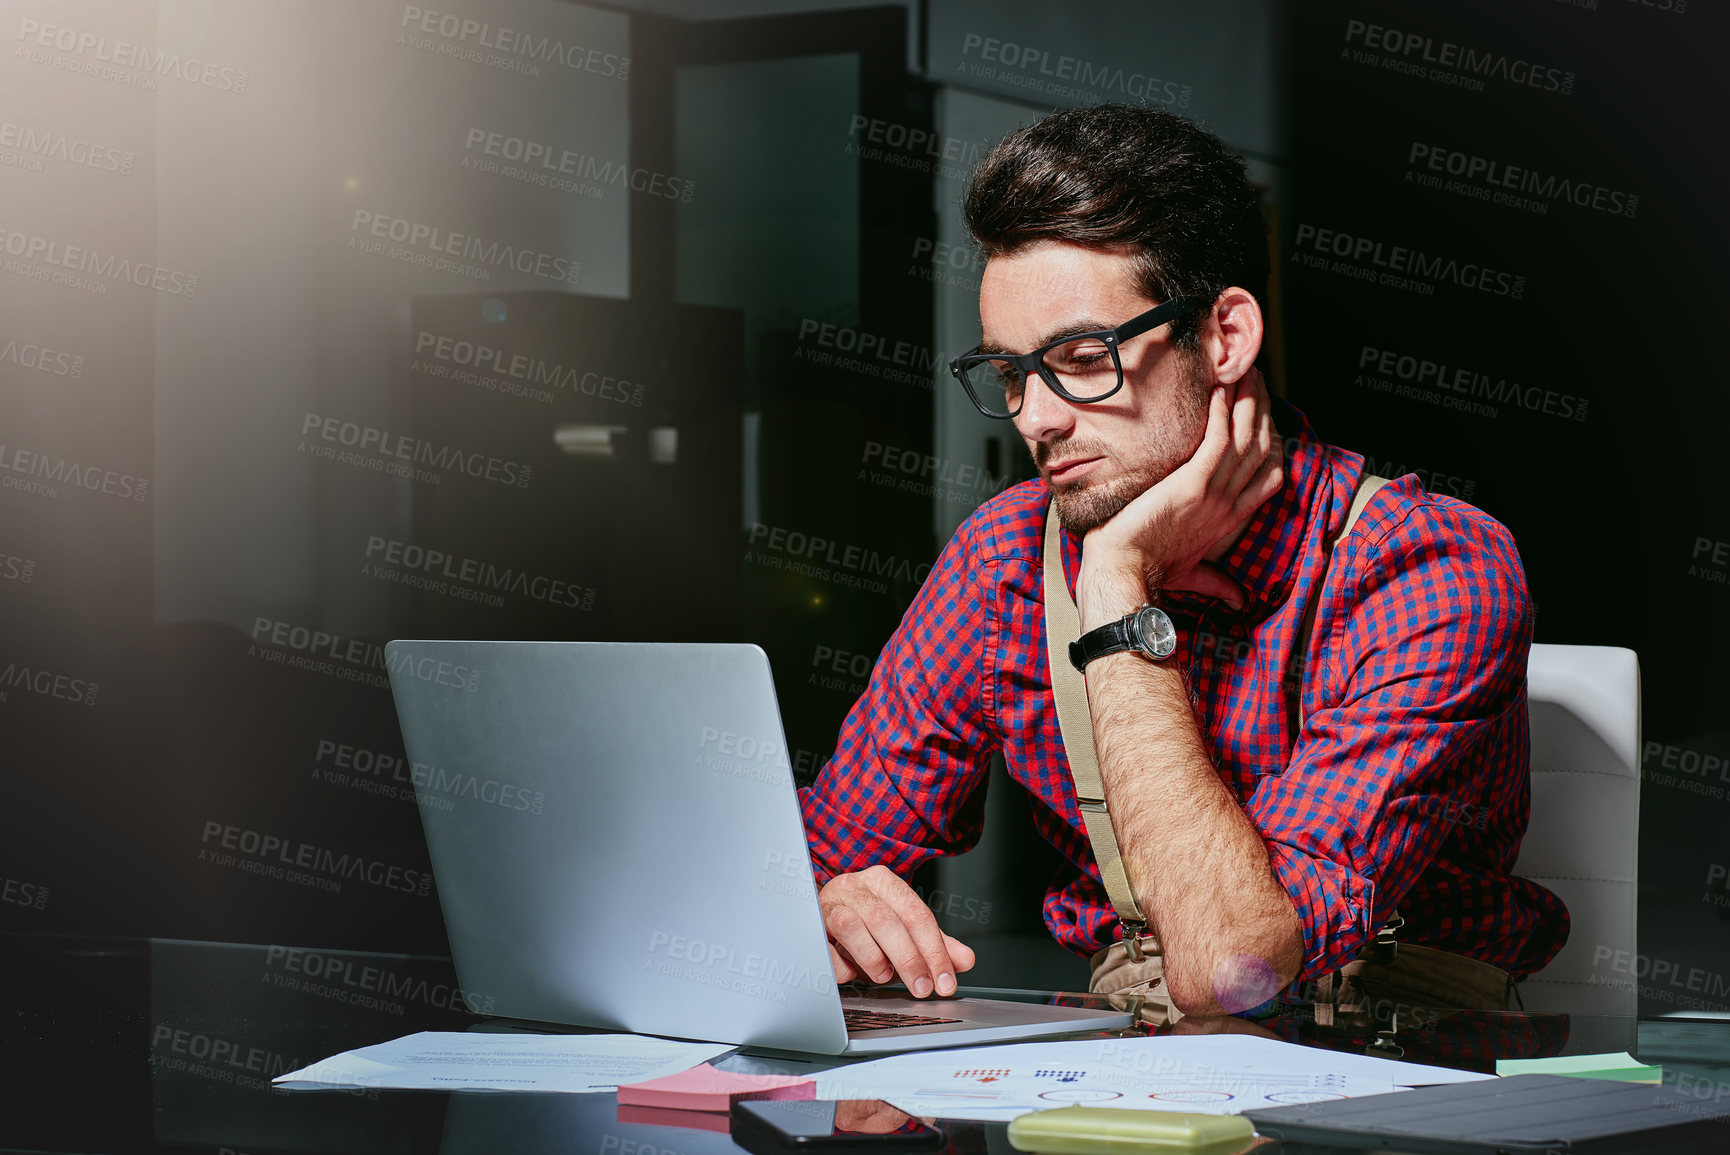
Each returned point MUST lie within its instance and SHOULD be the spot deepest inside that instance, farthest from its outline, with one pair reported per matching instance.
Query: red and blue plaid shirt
(1406, 785)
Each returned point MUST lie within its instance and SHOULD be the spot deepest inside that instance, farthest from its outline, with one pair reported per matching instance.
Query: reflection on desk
(138, 1045)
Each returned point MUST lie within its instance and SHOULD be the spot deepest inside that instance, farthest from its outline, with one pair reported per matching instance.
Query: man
(1273, 814)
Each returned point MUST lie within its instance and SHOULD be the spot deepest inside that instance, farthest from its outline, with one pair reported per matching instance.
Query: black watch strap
(1111, 638)
(1148, 631)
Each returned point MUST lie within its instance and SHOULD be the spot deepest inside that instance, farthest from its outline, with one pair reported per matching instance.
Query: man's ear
(1231, 335)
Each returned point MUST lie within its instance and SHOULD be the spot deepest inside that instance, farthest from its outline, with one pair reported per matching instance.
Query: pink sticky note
(703, 1088)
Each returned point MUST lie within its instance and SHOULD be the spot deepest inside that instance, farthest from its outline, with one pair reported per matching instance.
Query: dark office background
(332, 322)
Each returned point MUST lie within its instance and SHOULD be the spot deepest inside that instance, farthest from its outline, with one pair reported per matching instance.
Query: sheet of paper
(1618, 1065)
(1213, 1074)
(1255, 1052)
(481, 1061)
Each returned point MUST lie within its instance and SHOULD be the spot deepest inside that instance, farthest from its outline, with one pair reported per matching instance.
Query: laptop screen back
(615, 837)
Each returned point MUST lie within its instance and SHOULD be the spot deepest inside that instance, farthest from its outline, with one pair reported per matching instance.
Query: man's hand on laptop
(880, 930)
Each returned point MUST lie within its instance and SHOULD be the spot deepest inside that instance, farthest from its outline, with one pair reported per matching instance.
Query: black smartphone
(830, 1125)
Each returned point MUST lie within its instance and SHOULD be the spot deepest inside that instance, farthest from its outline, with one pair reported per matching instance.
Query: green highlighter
(1087, 1130)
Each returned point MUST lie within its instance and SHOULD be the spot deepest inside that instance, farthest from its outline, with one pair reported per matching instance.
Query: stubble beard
(1083, 505)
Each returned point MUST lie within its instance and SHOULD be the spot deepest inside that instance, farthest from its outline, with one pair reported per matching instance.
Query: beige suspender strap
(1075, 722)
(1062, 626)
(1367, 486)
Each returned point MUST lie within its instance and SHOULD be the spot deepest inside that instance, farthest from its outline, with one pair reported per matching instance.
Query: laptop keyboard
(859, 1019)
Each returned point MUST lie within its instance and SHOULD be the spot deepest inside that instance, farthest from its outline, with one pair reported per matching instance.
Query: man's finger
(888, 926)
(959, 953)
(1209, 580)
(1217, 437)
(1255, 455)
(1243, 416)
(922, 931)
(845, 972)
(849, 930)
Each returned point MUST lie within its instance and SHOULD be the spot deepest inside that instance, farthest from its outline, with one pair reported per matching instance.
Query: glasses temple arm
(1158, 315)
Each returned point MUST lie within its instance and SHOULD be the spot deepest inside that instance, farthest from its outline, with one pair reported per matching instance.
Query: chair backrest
(1583, 840)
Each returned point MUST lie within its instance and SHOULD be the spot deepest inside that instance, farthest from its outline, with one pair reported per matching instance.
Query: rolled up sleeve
(1412, 712)
(905, 783)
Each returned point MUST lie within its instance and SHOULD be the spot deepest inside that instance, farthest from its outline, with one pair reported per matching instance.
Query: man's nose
(1043, 413)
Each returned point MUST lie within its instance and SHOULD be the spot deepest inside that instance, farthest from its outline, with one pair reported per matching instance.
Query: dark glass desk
(162, 1045)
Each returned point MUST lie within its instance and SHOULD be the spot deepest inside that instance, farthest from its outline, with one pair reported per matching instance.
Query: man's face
(1098, 457)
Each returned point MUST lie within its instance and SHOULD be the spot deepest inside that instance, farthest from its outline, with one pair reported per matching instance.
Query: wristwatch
(1148, 631)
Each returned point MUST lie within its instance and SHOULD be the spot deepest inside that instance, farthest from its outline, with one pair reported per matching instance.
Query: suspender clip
(1382, 950)
(1132, 932)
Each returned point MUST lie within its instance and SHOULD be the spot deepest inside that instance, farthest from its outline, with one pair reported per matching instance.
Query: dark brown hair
(1114, 175)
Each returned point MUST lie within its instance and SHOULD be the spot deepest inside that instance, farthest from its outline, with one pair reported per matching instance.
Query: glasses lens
(997, 386)
(1086, 367)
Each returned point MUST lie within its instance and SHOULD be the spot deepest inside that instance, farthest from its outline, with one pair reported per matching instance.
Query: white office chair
(1583, 841)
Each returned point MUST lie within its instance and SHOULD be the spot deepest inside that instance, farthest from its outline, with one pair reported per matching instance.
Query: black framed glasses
(1081, 368)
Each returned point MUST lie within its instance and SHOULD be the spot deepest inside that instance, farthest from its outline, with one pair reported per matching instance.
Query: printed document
(486, 1061)
(1211, 1074)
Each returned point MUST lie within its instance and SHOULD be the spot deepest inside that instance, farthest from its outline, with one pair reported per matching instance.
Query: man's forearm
(1227, 928)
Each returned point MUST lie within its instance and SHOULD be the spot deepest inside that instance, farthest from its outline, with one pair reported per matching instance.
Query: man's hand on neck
(1170, 536)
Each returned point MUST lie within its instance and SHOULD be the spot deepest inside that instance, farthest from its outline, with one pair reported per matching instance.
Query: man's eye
(1078, 355)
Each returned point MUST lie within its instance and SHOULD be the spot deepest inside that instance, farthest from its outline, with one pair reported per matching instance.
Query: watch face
(1158, 635)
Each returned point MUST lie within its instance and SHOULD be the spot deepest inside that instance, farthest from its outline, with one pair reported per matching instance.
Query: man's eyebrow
(1082, 326)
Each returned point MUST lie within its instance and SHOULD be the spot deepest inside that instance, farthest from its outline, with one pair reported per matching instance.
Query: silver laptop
(616, 843)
